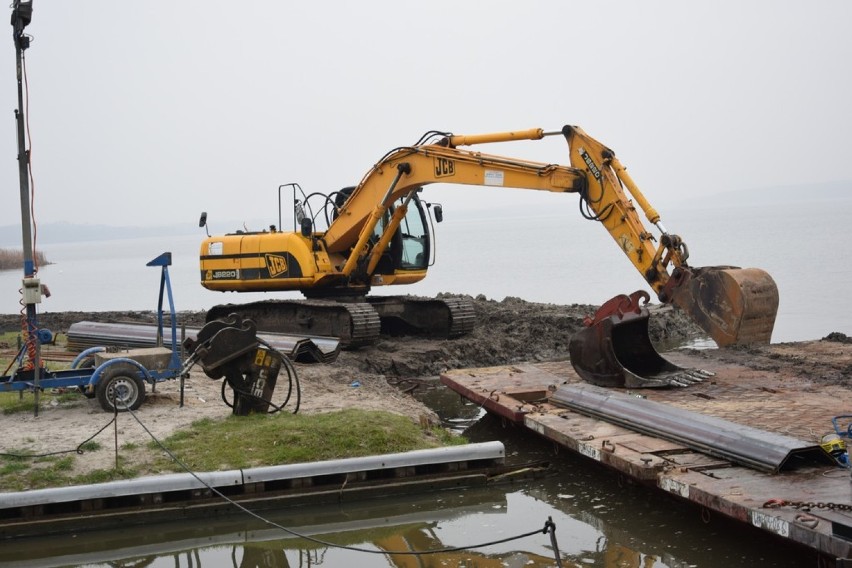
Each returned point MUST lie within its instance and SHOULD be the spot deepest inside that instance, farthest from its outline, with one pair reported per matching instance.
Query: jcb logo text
(444, 167)
(276, 264)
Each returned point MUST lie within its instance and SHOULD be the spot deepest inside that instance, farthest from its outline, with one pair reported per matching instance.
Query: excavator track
(358, 323)
(354, 323)
(462, 316)
(433, 317)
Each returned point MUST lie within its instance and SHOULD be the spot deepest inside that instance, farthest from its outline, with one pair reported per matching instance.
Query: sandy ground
(375, 377)
(65, 426)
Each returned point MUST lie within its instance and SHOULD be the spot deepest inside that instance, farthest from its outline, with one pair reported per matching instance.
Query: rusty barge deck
(777, 391)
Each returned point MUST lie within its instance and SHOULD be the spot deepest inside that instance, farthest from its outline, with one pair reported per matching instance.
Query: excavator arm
(734, 306)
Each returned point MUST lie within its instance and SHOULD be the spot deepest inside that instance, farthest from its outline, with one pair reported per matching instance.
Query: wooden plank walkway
(759, 396)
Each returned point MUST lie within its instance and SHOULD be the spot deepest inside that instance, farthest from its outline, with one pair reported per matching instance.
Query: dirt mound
(509, 331)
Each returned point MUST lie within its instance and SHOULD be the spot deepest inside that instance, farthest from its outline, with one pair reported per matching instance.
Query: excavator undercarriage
(447, 317)
(359, 323)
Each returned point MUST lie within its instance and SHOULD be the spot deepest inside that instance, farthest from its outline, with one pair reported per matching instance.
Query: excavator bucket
(734, 306)
(615, 350)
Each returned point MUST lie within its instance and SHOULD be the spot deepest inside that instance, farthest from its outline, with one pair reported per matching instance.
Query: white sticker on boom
(493, 177)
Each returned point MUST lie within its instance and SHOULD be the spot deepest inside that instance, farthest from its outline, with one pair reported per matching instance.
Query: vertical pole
(21, 16)
(182, 358)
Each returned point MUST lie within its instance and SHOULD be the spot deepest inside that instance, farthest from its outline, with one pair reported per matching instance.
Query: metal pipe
(187, 481)
(762, 450)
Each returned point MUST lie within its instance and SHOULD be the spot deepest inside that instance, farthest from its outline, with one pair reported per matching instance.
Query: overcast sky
(147, 112)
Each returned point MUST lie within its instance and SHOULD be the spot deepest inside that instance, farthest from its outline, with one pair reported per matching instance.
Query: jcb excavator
(378, 234)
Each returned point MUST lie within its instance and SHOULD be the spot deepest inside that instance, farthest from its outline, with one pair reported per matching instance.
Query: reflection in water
(257, 557)
(600, 523)
(414, 524)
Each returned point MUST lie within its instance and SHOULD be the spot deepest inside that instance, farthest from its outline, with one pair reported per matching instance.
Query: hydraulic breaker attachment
(615, 350)
(735, 306)
(229, 348)
(255, 381)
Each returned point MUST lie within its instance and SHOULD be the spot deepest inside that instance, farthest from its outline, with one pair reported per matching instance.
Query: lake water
(538, 254)
(544, 253)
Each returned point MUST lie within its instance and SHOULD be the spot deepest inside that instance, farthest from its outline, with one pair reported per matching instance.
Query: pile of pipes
(85, 334)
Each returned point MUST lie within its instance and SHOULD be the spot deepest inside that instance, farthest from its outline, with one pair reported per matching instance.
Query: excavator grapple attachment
(734, 306)
(615, 350)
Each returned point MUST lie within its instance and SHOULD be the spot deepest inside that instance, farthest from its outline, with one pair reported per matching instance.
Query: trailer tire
(123, 385)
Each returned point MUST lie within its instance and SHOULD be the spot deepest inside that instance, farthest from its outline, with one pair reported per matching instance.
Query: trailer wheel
(122, 385)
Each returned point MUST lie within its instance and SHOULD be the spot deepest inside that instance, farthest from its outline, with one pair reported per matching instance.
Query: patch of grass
(64, 464)
(69, 396)
(13, 466)
(15, 402)
(237, 442)
(91, 446)
(104, 475)
(46, 474)
(23, 469)
(248, 441)
(23, 474)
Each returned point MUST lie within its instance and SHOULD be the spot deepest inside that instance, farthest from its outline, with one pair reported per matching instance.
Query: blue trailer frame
(89, 379)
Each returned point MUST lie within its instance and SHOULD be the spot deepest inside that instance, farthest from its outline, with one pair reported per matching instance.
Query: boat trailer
(117, 379)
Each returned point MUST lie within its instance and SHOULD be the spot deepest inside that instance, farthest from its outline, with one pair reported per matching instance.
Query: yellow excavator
(378, 233)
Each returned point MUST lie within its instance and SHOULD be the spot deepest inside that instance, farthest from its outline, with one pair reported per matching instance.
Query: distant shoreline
(11, 259)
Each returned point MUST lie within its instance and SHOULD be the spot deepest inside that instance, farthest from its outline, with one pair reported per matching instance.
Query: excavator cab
(410, 246)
